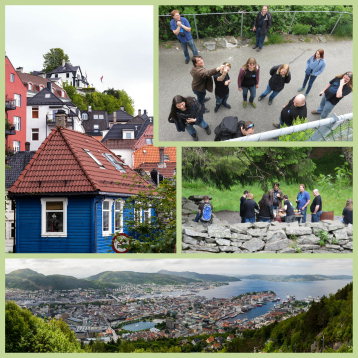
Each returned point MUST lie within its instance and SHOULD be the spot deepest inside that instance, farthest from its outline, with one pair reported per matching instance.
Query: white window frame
(114, 161)
(110, 218)
(35, 131)
(29, 86)
(12, 77)
(94, 158)
(84, 116)
(142, 215)
(121, 212)
(44, 233)
(16, 146)
(17, 98)
(149, 212)
(126, 132)
(17, 123)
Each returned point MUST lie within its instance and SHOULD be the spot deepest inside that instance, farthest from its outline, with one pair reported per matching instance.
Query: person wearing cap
(336, 89)
(182, 30)
(295, 108)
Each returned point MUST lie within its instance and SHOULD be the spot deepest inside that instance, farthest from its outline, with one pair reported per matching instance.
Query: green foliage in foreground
(298, 136)
(27, 333)
(333, 197)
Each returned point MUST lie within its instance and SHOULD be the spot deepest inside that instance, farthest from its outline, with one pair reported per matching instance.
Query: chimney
(114, 117)
(63, 63)
(89, 108)
(145, 111)
(139, 112)
(49, 85)
(161, 154)
(60, 118)
(27, 146)
(122, 108)
(20, 69)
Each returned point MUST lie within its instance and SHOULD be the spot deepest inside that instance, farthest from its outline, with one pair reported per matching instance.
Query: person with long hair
(265, 212)
(222, 82)
(348, 212)
(186, 112)
(314, 67)
(248, 80)
(280, 75)
(339, 87)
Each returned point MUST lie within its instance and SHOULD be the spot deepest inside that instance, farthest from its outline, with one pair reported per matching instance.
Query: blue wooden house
(71, 196)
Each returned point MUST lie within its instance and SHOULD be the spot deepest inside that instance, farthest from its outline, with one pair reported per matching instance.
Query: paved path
(175, 78)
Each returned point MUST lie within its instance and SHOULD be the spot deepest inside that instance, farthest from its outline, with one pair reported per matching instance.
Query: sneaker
(187, 61)
(206, 110)
(315, 112)
(270, 101)
(195, 138)
(206, 99)
(276, 125)
(244, 104)
(254, 47)
(253, 105)
(208, 130)
(216, 108)
(226, 105)
(300, 89)
(260, 98)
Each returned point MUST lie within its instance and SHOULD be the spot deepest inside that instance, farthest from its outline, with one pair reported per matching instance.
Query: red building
(15, 109)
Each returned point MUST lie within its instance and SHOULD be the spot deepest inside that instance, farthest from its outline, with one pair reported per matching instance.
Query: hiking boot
(258, 49)
(253, 105)
(187, 61)
(216, 108)
(226, 105)
(208, 130)
(254, 47)
(270, 101)
(276, 125)
(315, 112)
(206, 99)
(206, 110)
(260, 98)
(300, 89)
(195, 137)
(244, 104)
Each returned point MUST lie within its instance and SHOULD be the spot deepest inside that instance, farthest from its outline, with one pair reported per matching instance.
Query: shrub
(298, 136)
(301, 29)
(344, 30)
(275, 38)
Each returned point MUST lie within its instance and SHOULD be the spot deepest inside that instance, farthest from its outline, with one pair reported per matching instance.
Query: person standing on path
(182, 30)
(303, 199)
(222, 82)
(337, 88)
(280, 75)
(314, 67)
(202, 79)
(248, 80)
(262, 24)
(316, 207)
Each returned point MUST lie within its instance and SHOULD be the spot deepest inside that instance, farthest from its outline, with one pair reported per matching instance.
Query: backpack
(228, 128)
(206, 213)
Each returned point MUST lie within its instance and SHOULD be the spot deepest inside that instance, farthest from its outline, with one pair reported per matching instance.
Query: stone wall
(323, 237)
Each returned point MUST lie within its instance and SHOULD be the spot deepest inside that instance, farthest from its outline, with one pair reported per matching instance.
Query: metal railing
(242, 15)
(336, 128)
(10, 104)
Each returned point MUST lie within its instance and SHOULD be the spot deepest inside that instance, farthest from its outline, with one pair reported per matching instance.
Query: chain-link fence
(240, 23)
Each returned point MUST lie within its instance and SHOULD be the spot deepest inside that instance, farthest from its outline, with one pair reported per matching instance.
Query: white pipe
(293, 129)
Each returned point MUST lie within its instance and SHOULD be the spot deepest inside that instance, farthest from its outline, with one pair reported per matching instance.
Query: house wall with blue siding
(84, 227)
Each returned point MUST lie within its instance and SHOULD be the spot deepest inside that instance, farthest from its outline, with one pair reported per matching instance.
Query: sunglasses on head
(349, 74)
(250, 126)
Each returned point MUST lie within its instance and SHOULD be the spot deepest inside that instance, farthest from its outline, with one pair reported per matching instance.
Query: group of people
(189, 111)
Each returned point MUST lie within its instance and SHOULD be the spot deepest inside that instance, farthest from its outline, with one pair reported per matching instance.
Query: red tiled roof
(61, 165)
(167, 172)
(148, 133)
(151, 154)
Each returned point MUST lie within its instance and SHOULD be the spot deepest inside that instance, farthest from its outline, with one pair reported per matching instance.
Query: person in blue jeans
(248, 208)
(314, 67)
(263, 22)
(280, 75)
(303, 199)
(337, 88)
(222, 82)
(248, 80)
(186, 112)
(182, 30)
(316, 207)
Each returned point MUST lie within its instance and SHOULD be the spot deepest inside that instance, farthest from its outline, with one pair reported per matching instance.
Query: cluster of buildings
(70, 172)
(100, 314)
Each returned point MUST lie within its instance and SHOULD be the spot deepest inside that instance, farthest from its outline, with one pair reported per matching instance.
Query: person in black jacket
(295, 108)
(265, 212)
(280, 75)
(248, 208)
(348, 212)
(186, 112)
(262, 24)
(242, 200)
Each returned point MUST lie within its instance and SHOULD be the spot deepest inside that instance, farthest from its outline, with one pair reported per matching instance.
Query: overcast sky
(88, 267)
(115, 42)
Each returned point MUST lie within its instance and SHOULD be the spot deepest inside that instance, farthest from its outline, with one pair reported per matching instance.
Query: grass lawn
(333, 196)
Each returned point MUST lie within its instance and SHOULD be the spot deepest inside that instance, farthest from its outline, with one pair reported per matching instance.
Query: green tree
(53, 59)
(158, 234)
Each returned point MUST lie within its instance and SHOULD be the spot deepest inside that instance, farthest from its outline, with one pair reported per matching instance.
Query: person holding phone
(339, 87)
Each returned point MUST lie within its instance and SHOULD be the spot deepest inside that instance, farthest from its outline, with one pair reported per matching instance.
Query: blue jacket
(316, 66)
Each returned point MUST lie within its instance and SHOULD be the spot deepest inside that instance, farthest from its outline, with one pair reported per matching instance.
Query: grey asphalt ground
(175, 79)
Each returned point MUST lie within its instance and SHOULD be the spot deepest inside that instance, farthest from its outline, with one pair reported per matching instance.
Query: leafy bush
(298, 136)
(301, 29)
(275, 38)
(344, 30)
